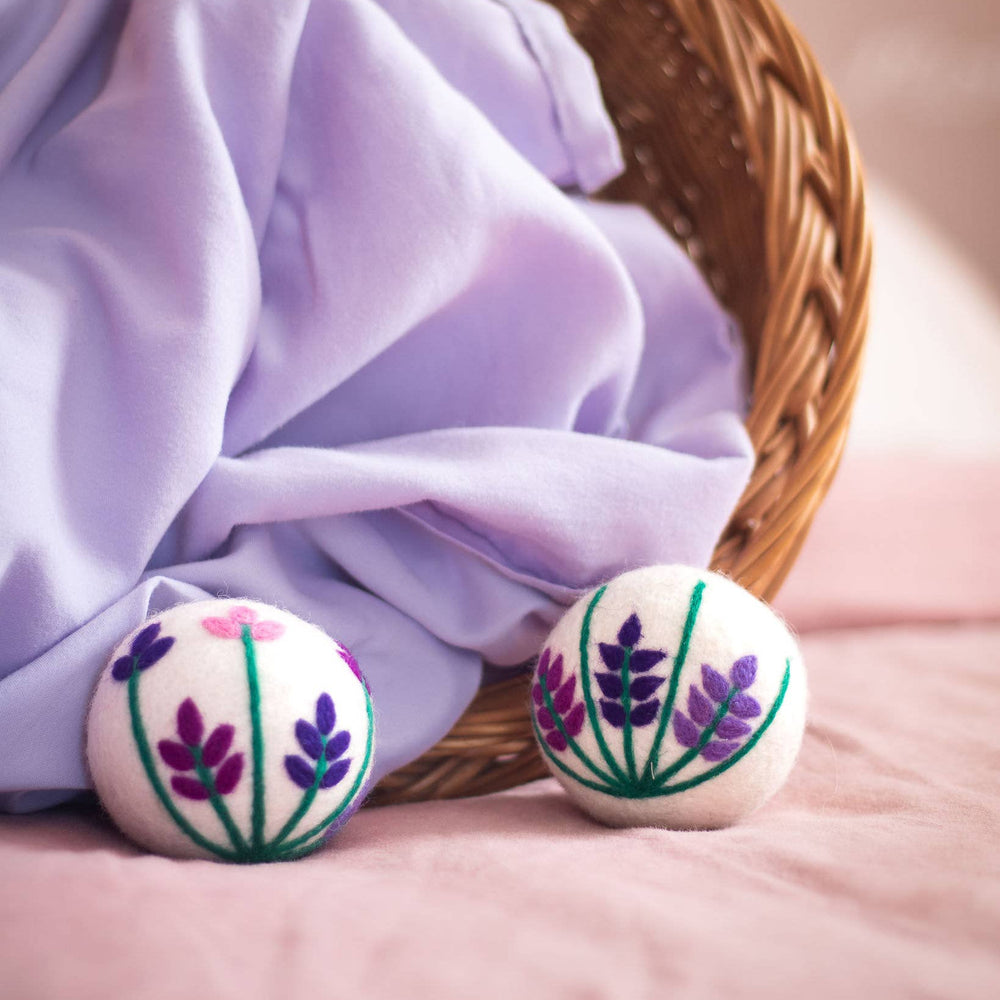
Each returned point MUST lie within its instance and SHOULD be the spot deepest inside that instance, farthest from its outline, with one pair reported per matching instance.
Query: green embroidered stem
(149, 766)
(707, 734)
(307, 800)
(595, 724)
(349, 797)
(653, 760)
(611, 789)
(743, 751)
(257, 809)
(221, 810)
(627, 705)
(570, 742)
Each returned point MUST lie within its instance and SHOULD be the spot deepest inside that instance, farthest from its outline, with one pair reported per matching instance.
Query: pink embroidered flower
(231, 627)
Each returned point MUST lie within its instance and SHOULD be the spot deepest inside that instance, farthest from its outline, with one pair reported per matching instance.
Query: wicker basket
(736, 142)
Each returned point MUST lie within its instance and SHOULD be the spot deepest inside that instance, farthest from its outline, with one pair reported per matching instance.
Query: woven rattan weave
(738, 145)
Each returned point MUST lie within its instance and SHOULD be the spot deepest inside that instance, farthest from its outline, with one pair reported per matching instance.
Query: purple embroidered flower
(231, 627)
(319, 745)
(146, 649)
(702, 709)
(191, 755)
(616, 656)
(562, 691)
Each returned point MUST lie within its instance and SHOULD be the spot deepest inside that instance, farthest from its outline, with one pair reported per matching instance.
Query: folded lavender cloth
(296, 304)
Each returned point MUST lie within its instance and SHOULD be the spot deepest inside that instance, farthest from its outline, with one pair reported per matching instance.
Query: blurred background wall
(921, 83)
(920, 80)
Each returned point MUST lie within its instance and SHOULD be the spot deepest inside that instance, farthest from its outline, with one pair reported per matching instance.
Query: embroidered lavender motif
(204, 769)
(626, 700)
(629, 694)
(328, 751)
(146, 649)
(726, 721)
(554, 700)
(191, 755)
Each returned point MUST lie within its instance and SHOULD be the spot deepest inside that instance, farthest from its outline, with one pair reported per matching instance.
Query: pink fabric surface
(875, 871)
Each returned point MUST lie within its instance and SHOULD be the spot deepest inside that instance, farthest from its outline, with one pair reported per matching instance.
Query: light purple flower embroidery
(731, 728)
(320, 746)
(191, 755)
(146, 649)
(562, 692)
(619, 656)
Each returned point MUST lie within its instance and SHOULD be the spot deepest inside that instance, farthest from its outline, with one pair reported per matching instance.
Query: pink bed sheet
(875, 872)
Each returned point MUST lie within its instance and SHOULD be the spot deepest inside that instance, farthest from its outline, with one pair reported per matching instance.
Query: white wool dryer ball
(231, 730)
(670, 697)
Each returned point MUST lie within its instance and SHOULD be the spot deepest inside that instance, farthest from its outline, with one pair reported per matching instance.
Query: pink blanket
(875, 872)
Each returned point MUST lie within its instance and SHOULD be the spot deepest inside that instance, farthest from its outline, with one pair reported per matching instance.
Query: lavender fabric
(294, 306)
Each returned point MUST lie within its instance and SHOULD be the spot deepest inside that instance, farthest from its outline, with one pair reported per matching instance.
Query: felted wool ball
(670, 697)
(230, 730)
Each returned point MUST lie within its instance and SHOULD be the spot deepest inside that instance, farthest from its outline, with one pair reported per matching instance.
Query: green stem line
(149, 766)
(617, 792)
(349, 797)
(257, 737)
(221, 810)
(653, 760)
(307, 800)
(743, 751)
(588, 699)
(570, 742)
(627, 705)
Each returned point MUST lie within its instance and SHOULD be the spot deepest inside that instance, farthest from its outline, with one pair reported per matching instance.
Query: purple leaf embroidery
(553, 678)
(645, 659)
(644, 687)
(643, 715)
(556, 740)
(122, 668)
(714, 683)
(335, 773)
(744, 671)
(154, 652)
(326, 714)
(217, 745)
(144, 639)
(144, 650)
(563, 698)
(630, 632)
(189, 788)
(716, 750)
(610, 684)
(613, 656)
(189, 723)
(574, 720)
(685, 730)
(299, 771)
(309, 739)
(176, 755)
(613, 712)
(228, 776)
(551, 681)
(730, 728)
(744, 706)
(338, 745)
(699, 707)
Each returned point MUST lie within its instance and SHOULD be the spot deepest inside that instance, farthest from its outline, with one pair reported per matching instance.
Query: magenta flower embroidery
(190, 754)
(231, 627)
(562, 692)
